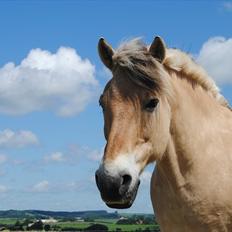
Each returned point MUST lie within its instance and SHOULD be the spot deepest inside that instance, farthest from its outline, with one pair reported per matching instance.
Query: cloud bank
(42, 186)
(17, 139)
(54, 157)
(216, 57)
(227, 6)
(61, 82)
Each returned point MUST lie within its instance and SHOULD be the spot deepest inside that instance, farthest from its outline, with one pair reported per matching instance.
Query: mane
(133, 58)
(182, 63)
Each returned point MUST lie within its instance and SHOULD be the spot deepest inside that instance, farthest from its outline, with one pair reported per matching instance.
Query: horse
(162, 107)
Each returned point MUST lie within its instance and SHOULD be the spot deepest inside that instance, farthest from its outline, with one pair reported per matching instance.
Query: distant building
(80, 219)
(49, 221)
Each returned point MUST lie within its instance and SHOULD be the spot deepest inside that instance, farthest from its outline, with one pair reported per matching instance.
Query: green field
(105, 220)
(110, 223)
(8, 221)
(77, 225)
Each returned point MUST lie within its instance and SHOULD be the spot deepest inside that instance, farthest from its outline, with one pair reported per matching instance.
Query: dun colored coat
(161, 106)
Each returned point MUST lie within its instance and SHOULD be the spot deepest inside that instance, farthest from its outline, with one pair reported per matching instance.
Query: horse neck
(195, 117)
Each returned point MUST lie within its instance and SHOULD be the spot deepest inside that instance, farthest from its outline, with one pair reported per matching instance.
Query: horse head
(136, 117)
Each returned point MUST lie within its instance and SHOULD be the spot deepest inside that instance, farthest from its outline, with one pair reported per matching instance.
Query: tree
(38, 225)
(96, 227)
(88, 219)
(118, 230)
(124, 221)
(147, 230)
(27, 221)
(47, 227)
(17, 226)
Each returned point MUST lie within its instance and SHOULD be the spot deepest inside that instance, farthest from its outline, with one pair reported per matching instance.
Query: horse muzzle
(117, 191)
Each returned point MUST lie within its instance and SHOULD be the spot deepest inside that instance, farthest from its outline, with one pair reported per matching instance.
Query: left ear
(106, 53)
(158, 49)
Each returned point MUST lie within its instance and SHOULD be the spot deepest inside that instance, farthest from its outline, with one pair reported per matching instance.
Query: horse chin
(120, 205)
(127, 200)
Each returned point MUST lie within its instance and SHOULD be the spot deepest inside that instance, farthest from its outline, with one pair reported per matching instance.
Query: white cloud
(3, 158)
(56, 157)
(62, 82)
(46, 186)
(227, 6)
(3, 189)
(17, 139)
(216, 57)
(42, 186)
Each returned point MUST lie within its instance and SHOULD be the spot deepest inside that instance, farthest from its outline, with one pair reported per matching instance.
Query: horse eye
(150, 106)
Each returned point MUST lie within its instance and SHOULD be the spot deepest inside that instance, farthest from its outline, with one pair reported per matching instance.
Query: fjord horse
(161, 106)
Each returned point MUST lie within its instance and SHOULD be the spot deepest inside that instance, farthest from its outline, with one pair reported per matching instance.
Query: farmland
(62, 221)
(111, 225)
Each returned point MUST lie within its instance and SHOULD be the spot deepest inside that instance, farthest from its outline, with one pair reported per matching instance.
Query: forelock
(134, 60)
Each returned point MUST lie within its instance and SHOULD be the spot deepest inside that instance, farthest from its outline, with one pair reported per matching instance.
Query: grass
(110, 223)
(8, 221)
(105, 220)
(131, 227)
(76, 225)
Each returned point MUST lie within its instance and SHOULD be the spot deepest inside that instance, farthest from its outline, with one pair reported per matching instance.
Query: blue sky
(51, 127)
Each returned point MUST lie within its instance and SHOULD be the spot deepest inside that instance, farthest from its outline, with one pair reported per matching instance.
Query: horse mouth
(126, 201)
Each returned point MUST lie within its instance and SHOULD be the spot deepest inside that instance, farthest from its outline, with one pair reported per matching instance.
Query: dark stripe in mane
(142, 79)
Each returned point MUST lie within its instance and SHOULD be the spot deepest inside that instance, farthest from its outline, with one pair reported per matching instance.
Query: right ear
(106, 53)
(158, 49)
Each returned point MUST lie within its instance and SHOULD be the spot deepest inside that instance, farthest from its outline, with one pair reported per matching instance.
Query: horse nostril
(126, 180)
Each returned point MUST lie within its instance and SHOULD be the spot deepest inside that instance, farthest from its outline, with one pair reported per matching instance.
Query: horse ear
(106, 53)
(158, 49)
